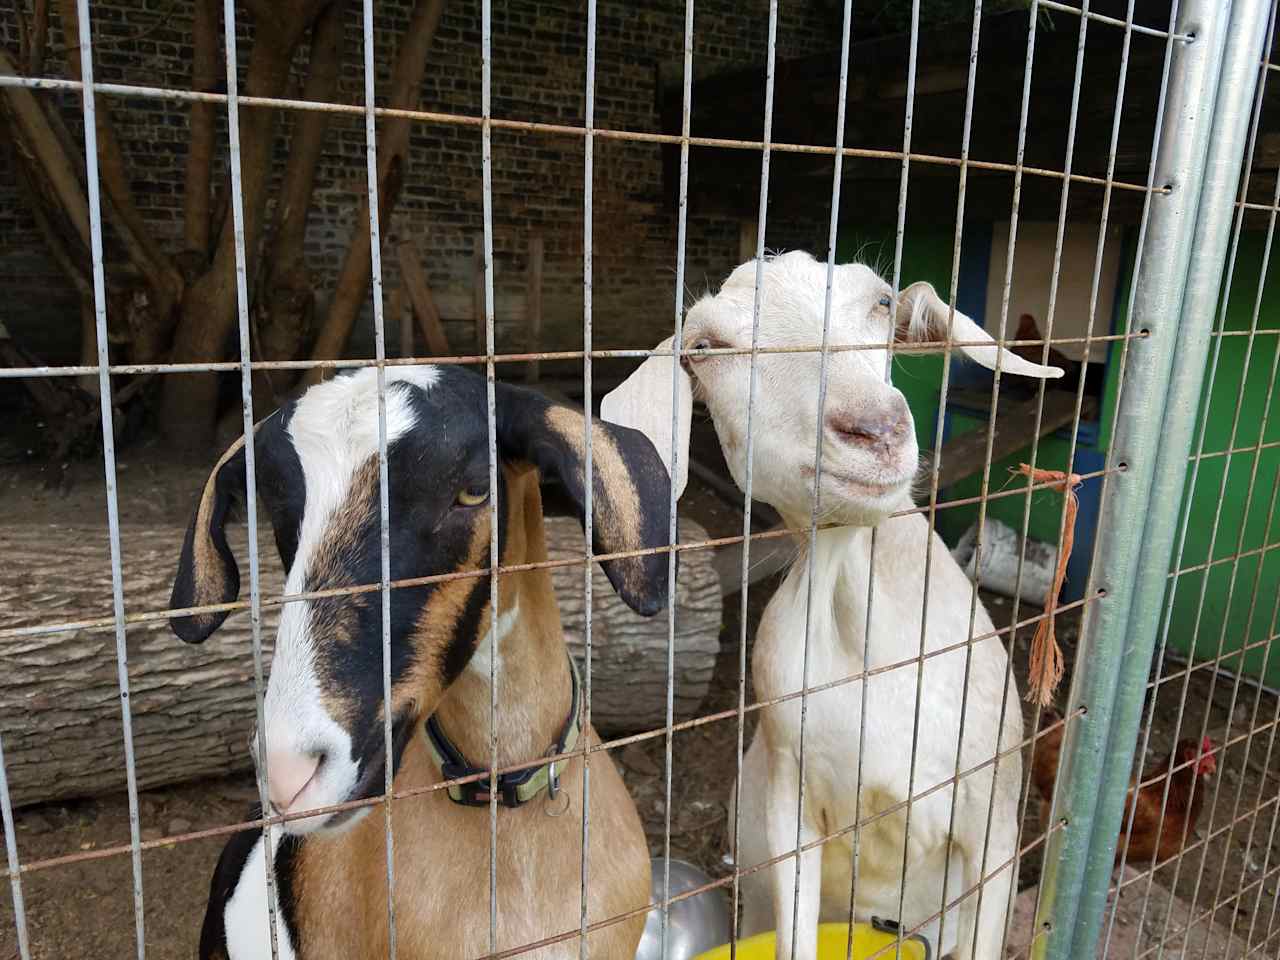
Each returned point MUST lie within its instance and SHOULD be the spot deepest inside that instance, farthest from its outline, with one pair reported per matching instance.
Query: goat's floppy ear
(643, 402)
(630, 493)
(207, 571)
(922, 315)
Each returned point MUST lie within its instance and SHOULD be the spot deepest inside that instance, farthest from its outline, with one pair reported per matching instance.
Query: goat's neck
(841, 569)
(534, 688)
(534, 691)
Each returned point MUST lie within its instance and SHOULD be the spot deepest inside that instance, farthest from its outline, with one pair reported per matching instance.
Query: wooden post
(424, 305)
(748, 231)
(533, 307)
(477, 294)
(395, 310)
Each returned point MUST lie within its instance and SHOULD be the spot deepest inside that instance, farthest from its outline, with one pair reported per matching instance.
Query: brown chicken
(1149, 841)
(1027, 330)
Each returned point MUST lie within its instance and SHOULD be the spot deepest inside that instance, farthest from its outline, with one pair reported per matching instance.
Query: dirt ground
(84, 910)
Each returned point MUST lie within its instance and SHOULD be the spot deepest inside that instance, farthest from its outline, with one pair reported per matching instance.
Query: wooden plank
(424, 305)
(533, 307)
(477, 294)
(965, 455)
(456, 305)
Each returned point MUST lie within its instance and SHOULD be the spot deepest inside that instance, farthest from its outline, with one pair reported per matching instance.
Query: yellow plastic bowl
(833, 944)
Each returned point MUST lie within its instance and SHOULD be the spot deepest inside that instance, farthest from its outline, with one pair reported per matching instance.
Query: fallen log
(193, 706)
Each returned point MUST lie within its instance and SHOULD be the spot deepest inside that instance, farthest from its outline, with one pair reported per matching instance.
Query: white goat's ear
(922, 316)
(643, 402)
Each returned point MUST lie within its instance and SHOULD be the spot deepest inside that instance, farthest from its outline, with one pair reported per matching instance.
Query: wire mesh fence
(881, 763)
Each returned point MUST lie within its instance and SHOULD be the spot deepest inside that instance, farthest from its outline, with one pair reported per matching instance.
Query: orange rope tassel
(1046, 667)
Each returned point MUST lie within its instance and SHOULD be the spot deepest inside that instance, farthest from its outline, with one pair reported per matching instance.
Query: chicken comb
(1208, 762)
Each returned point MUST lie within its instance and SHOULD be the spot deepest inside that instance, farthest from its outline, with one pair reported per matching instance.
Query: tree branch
(287, 302)
(163, 278)
(393, 156)
(39, 147)
(281, 18)
(60, 247)
(268, 76)
(33, 38)
(308, 136)
(39, 37)
(205, 78)
(53, 402)
(189, 403)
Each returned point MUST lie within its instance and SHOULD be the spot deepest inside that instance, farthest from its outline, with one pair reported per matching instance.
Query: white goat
(952, 849)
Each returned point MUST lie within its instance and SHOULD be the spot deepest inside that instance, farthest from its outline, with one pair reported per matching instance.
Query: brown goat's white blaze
(308, 711)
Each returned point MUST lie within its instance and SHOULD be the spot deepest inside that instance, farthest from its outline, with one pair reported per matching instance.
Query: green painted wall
(1239, 607)
(1239, 599)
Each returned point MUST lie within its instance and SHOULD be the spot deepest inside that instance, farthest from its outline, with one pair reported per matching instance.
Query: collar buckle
(516, 788)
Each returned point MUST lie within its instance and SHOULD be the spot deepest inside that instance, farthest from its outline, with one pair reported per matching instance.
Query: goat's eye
(473, 496)
(886, 302)
(705, 343)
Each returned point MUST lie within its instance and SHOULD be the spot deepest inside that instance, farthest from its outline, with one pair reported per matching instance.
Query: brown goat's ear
(207, 571)
(630, 493)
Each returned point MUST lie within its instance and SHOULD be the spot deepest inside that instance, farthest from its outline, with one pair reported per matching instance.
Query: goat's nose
(288, 774)
(870, 428)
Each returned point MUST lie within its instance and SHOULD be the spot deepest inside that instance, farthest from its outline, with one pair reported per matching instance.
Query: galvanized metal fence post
(1179, 271)
(1194, 325)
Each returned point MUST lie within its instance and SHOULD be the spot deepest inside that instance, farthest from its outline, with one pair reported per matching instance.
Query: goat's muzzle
(878, 430)
(288, 776)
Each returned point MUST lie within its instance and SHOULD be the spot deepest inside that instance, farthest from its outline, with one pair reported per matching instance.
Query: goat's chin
(869, 509)
(852, 498)
(315, 797)
(329, 826)
(847, 503)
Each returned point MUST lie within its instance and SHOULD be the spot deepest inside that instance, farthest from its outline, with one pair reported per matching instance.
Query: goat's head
(869, 454)
(317, 474)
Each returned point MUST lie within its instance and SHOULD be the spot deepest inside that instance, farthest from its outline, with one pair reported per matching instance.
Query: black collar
(516, 788)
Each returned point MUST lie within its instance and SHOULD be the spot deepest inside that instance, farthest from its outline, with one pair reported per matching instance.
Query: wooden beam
(424, 306)
(395, 310)
(727, 104)
(965, 455)
(533, 307)
(477, 293)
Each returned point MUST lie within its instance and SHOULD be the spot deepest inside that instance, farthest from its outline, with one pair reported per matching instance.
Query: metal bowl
(694, 925)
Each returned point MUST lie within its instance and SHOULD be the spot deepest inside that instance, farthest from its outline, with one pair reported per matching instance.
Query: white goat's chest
(850, 773)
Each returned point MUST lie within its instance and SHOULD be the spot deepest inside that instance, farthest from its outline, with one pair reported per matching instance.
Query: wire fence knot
(1046, 666)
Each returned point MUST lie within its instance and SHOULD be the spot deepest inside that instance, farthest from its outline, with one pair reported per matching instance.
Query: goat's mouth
(859, 485)
(369, 783)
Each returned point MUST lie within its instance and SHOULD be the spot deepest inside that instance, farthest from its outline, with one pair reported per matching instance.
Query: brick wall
(538, 73)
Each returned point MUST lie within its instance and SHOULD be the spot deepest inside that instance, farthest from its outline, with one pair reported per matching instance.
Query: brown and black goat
(317, 476)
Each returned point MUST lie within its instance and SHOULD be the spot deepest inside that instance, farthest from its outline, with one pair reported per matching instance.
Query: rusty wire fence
(1150, 577)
